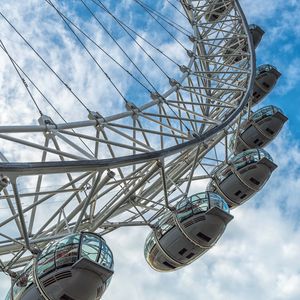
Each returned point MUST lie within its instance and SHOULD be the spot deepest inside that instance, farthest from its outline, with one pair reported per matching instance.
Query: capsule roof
(265, 111)
(256, 27)
(267, 68)
(251, 155)
(199, 203)
(243, 159)
(71, 248)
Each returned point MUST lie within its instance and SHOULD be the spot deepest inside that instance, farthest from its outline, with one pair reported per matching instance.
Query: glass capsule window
(70, 249)
(232, 142)
(223, 171)
(217, 201)
(149, 244)
(253, 26)
(184, 209)
(241, 160)
(249, 156)
(67, 250)
(95, 249)
(106, 257)
(199, 203)
(46, 264)
(245, 158)
(46, 261)
(264, 68)
(91, 247)
(264, 112)
(165, 224)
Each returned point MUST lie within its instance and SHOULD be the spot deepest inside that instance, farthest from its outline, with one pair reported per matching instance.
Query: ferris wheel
(184, 147)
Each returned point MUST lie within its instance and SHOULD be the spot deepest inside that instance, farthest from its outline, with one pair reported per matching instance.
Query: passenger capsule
(78, 266)
(266, 79)
(243, 176)
(236, 48)
(217, 10)
(262, 127)
(257, 34)
(182, 236)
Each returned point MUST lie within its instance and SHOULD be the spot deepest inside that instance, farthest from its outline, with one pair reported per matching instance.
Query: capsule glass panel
(73, 247)
(264, 69)
(264, 112)
(199, 203)
(90, 247)
(106, 257)
(67, 250)
(241, 160)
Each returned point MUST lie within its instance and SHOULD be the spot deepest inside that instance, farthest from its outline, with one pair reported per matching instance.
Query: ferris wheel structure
(175, 161)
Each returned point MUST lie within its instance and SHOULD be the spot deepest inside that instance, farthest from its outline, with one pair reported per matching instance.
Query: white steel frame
(192, 121)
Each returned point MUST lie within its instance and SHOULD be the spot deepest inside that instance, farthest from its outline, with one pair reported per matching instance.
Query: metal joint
(188, 6)
(185, 69)
(192, 38)
(190, 53)
(158, 98)
(48, 122)
(134, 109)
(4, 182)
(111, 174)
(100, 120)
(174, 83)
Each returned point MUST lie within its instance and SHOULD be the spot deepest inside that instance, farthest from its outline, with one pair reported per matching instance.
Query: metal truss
(108, 172)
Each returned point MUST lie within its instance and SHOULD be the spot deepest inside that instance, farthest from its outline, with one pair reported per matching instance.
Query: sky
(258, 256)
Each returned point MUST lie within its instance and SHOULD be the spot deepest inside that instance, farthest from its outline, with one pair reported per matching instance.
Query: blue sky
(280, 47)
(258, 256)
